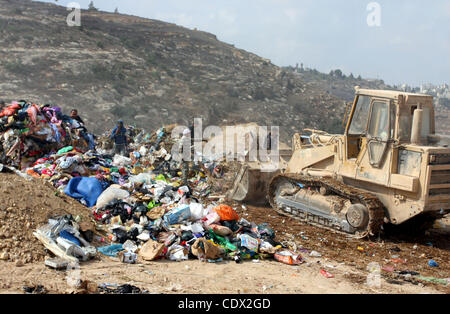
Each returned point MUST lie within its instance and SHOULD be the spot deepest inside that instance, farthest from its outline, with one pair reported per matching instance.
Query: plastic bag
(266, 247)
(121, 161)
(265, 231)
(145, 178)
(130, 246)
(111, 250)
(65, 150)
(161, 178)
(212, 218)
(226, 213)
(109, 195)
(204, 249)
(178, 253)
(197, 228)
(221, 230)
(143, 151)
(197, 211)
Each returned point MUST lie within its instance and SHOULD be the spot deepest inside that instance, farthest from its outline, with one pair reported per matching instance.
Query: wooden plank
(54, 248)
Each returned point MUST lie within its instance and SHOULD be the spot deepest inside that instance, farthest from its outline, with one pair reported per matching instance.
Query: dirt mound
(25, 206)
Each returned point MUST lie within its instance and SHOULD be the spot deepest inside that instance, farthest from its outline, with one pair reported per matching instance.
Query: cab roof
(391, 94)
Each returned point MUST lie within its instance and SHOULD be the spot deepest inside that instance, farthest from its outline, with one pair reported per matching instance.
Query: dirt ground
(408, 252)
(26, 205)
(194, 277)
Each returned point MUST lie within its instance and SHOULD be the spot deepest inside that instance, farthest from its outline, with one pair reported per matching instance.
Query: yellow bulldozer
(389, 166)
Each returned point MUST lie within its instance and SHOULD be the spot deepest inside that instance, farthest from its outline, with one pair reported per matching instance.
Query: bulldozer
(388, 167)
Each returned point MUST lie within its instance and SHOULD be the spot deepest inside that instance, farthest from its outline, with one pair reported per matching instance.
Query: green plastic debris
(65, 150)
(222, 241)
(444, 282)
(161, 178)
(152, 205)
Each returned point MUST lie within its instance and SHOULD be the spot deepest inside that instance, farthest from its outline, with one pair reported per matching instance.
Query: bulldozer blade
(251, 185)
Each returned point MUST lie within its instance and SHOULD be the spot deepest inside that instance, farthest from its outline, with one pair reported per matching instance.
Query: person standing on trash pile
(119, 135)
(74, 115)
(186, 141)
(89, 138)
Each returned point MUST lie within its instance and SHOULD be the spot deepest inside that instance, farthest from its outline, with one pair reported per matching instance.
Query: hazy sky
(411, 45)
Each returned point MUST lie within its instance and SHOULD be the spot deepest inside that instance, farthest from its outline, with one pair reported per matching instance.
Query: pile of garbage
(152, 216)
(177, 231)
(141, 208)
(28, 130)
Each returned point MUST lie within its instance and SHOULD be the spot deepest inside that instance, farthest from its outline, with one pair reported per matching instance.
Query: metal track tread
(373, 204)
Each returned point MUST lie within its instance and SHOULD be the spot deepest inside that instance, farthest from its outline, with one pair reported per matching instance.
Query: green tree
(92, 7)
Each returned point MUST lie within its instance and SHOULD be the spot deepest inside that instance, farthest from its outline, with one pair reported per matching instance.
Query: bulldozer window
(379, 121)
(379, 132)
(359, 122)
(405, 123)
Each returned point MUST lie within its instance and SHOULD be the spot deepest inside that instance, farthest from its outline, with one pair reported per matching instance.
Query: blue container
(432, 263)
(68, 236)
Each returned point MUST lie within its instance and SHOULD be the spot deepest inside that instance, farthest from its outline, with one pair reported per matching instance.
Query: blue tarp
(87, 189)
(111, 250)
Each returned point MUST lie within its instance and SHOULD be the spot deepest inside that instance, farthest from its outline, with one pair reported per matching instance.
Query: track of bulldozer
(356, 196)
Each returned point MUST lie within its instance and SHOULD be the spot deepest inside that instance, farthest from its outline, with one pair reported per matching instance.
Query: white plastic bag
(194, 228)
(177, 253)
(130, 246)
(197, 211)
(111, 194)
(143, 151)
(145, 178)
(121, 161)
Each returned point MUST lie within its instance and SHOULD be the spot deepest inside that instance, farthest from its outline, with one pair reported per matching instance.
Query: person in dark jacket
(119, 135)
(89, 138)
(74, 115)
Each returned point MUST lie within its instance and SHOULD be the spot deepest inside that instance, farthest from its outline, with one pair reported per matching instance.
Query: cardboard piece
(151, 250)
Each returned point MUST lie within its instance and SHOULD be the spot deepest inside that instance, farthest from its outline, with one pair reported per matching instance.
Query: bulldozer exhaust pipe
(416, 132)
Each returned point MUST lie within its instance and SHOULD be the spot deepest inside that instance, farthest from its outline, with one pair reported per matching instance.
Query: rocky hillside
(150, 73)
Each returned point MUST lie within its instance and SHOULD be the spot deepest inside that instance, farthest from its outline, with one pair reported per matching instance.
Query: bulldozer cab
(378, 118)
(372, 126)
